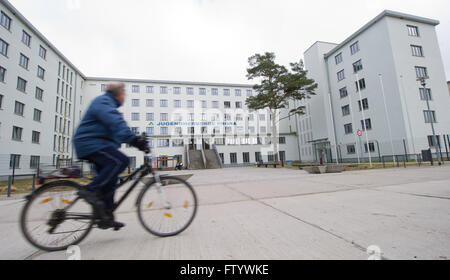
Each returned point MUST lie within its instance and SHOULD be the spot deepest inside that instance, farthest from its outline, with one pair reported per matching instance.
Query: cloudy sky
(205, 40)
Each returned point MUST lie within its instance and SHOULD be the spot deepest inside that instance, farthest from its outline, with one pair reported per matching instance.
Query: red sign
(360, 133)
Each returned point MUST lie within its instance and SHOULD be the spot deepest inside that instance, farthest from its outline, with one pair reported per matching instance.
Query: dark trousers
(109, 163)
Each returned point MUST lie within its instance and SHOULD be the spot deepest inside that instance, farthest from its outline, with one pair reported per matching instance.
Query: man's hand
(141, 143)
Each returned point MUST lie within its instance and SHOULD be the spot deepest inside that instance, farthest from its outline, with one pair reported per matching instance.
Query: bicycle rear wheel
(55, 218)
(167, 210)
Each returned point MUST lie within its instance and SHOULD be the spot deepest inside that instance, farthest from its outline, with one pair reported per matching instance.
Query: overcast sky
(205, 40)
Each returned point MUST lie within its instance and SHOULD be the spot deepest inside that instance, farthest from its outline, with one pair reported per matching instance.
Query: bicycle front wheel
(54, 217)
(169, 209)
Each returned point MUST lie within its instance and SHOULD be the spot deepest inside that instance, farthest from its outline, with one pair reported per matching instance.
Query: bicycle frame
(144, 170)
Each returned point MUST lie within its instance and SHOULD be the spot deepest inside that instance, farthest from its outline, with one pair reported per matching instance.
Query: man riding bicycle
(98, 139)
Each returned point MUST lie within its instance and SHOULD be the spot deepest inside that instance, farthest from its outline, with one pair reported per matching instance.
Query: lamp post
(423, 82)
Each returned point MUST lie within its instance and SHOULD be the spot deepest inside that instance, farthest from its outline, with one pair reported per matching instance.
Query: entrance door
(192, 146)
(206, 145)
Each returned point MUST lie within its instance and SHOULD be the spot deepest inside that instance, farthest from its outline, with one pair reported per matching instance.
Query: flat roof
(386, 13)
(127, 80)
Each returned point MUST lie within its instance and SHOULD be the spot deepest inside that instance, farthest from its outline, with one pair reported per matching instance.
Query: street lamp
(423, 82)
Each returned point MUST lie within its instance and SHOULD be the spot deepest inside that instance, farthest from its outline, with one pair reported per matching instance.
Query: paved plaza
(265, 214)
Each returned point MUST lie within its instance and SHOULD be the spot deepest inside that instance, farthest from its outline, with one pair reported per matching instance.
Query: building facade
(369, 101)
(43, 97)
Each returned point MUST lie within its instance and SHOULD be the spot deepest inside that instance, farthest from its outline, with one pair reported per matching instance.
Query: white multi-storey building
(43, 97)
(368, 91)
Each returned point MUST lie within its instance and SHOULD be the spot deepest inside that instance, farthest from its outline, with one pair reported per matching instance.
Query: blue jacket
(102, 127)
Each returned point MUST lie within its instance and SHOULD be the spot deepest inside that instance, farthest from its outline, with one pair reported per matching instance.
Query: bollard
(9, 185)
(34, 183)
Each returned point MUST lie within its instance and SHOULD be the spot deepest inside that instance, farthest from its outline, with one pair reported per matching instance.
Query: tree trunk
(275, 139)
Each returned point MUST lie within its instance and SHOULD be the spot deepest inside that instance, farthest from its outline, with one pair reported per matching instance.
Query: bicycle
(166, 207)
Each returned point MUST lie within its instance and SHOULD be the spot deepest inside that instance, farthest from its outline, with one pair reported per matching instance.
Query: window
(215, 92)
(348, 128)
(135, 116)
(239, 118)
(249, 93)
(263, 129)
(238, 105)
(39, 94)
(34, 162)
(17, 133)
(202, 91)
(5, 21)
(163, 143)
(177, 117)
(135, 130)
(432, 141)
(103, 87)
(150, 130)
(351, 149)
(41, 74)
(251, 117)
(178, 143)
(346, 110)
(227, 104)
(354, 48)
(421, 72)
(226, 92)
(37, 115)
(204, 104)
(271, 157)
(246, 157)
(417, 51)
(14, 161)
(233, 158)
(338, 58)
(177, 90)
(190, 103)
(364, 105)
(35, 139)
(215, 104)
(413, 30)
(150, 117)
(26, 38)
(149, 89)
(227, 117)
(4, 47)
(150, 103)
(164, 103)
(191, 117)
(357, 66)
(164, 131)
(1, 101)
(360, 85)
(425, 95)
(177, 103)
(258, 157)
(42, 52)
(238, 92)
(164, 117)
(19, 108)
(366, 125)
(343, 92)
(262, 118)
(135, 89)
(371, 147)
(341, 75)
(282, 140)
(190, 91)
(430, 116)
(163, 90)
(135, 102)
(2, 74)
(23, 61)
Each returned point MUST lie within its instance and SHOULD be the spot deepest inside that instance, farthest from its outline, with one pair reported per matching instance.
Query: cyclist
(98, 139)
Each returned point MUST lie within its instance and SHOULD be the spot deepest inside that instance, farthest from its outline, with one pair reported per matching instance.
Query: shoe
(109, 222)
(95, 199)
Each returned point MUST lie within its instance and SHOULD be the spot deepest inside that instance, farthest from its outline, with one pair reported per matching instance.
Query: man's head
(118, 91)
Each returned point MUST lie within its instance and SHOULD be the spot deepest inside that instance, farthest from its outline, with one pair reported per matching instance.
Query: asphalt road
(250, 213)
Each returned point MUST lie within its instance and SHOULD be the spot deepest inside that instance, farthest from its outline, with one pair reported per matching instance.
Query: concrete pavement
(250, 213)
